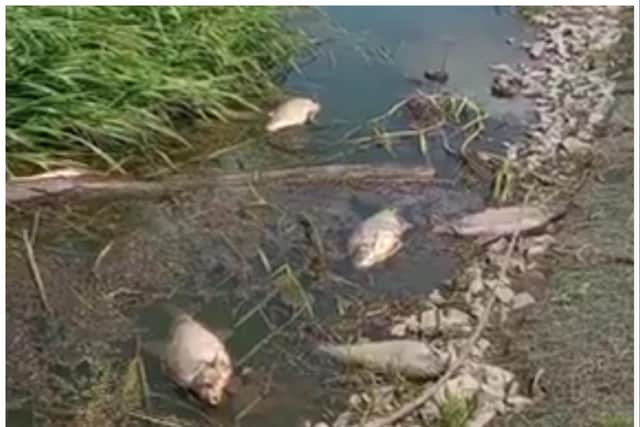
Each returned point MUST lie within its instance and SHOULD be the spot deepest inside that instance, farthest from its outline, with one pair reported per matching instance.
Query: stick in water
(36, 272)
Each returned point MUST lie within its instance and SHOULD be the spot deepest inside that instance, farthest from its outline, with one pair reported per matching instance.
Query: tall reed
(103, 85)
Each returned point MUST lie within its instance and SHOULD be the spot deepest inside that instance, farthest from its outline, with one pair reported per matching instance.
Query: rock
(476, 285)
(496, 378)
(343, 419)
(537, 49)
(429, 413)
(510, 41)
(575, 146)
(504, 294)
(537, 245)
(355, 400)
(463, 386)
(377, 238)
(398, 330)
(454, 320)
(407, 325)
(429, 322)
(595, 118)
(483, 344)
(493, 395)
(481, 417)
(518, 403)
(503, 69)
(505, 86)
(477, 307)
(584, 135)
(522, 300)
(436, 297)
(414, 359)
(294, 112)
(499, 246)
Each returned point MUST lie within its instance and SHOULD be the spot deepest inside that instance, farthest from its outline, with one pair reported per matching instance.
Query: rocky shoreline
(573, 97)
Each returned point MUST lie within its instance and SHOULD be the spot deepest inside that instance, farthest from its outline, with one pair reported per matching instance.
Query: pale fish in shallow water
(198, 360)
(294, 112)
(377, 238)
(414, 359)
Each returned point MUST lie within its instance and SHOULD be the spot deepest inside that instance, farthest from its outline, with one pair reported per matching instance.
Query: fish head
(210, 384)
(364, 258)
(313, 109)
(381, 247)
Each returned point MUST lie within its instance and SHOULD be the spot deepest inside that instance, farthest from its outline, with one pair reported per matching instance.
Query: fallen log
(54, 187)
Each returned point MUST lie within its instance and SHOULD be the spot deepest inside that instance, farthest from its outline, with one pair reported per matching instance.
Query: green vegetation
(109, 86)
(455, 412)
(528, 12)
(617, 421)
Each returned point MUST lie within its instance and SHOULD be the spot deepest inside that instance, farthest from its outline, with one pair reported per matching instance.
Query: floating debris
(414, 359)
(377, 238)
(198, 360)
(294, 112)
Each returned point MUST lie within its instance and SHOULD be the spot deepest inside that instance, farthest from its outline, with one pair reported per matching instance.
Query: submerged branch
(21, 191)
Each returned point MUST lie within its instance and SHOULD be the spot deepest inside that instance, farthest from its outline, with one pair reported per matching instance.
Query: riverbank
(115, 87)
(582, 329)
(573, 362)
(78, 338)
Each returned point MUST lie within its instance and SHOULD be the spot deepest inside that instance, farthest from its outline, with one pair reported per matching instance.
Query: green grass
(455, 412)
(617, 421)
(528, 12)
(108, 85)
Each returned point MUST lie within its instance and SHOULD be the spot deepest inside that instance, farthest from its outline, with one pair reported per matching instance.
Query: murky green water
(351, 90)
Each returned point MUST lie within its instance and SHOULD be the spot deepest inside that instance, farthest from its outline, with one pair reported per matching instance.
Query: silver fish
(294, 112)
(414, 359)
(198, 360)
(377, 238)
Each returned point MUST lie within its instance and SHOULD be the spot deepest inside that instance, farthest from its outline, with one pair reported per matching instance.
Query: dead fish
(294, 112)
(197, 360)
(499, 221)
(377, 238)
(414, 359)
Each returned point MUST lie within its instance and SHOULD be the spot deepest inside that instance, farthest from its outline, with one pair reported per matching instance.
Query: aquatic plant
(109, 85)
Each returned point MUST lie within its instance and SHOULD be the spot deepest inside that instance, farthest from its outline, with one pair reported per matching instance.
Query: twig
(256, 308)
(142, 376)
(267, 338)
(411, 406)
(249, 407)
(100, 257)
(153, 420)
(397, 134)
(36, 272)
(34, 227)
(391, 111)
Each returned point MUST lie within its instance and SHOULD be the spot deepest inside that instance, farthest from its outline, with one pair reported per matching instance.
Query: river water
(352, 87)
